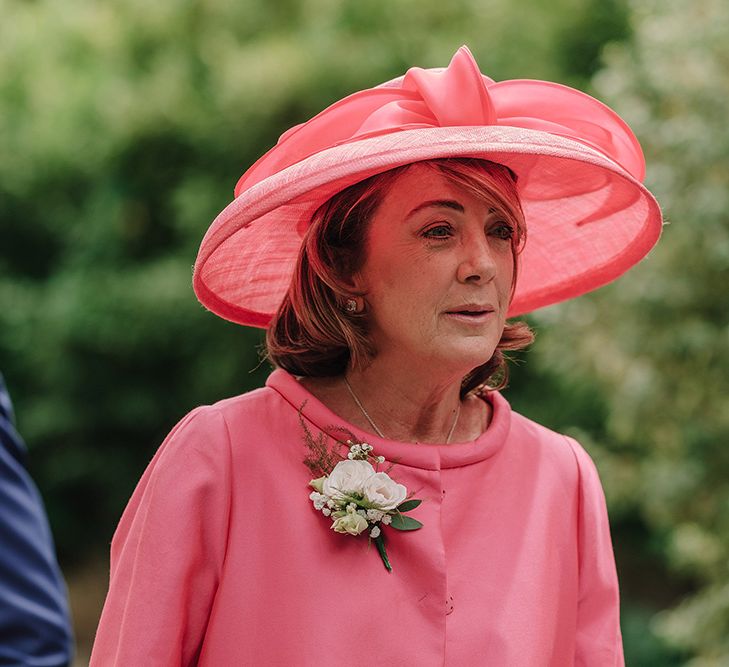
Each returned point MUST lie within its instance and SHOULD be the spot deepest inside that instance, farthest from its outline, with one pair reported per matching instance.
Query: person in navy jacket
(35, 625)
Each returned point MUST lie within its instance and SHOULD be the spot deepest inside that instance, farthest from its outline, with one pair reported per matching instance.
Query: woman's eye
(503, 231)
(438, 232)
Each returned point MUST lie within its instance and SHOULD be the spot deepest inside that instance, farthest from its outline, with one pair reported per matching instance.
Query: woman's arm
(168, 550)
(598, 640)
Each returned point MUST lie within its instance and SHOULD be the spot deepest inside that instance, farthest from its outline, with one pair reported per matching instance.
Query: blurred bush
(655, 345)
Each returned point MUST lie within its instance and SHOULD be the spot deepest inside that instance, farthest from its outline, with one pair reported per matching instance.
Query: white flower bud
(375, 515)
(353, 524)
(318, 483)
(318, 499)
(375, 532)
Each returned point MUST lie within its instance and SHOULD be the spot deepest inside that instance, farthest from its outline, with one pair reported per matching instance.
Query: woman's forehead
(421, 187)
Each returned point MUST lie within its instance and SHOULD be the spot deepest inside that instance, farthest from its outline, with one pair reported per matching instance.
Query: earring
(351, 306)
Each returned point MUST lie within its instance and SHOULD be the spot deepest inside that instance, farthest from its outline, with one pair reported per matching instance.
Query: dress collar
(416, 455)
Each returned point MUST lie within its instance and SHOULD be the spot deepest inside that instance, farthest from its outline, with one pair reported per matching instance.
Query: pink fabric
(220, 558)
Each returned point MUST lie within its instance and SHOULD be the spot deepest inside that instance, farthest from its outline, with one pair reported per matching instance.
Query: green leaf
(383, 554)
(409, 505)
(401, 522)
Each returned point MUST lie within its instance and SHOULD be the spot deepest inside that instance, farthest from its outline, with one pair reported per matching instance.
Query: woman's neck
(409, 405)
(405, 404)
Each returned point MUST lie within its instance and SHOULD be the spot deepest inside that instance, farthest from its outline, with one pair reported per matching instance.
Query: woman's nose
(476, 262)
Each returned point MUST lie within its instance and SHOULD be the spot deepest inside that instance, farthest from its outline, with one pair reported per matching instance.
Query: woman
(383, 244)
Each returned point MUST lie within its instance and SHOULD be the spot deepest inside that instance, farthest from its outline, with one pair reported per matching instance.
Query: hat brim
(588, 220)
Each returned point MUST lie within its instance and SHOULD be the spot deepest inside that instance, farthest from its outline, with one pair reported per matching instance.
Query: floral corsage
(354, 494)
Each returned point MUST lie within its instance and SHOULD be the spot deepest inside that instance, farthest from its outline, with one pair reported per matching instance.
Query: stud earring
(351, 306)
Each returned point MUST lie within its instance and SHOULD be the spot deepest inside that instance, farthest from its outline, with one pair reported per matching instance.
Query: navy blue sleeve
(35, 627)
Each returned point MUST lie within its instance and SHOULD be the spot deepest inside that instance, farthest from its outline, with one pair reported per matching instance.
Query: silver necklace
(374, 426)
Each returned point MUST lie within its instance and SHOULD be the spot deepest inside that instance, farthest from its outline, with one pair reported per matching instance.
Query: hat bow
(458, 95)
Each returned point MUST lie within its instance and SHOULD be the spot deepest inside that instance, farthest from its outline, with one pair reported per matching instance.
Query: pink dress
(220, 558)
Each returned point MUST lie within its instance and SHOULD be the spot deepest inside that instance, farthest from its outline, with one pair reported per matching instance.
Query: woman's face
(437, 274)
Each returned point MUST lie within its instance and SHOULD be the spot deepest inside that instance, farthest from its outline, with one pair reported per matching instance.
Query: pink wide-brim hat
(579, 166)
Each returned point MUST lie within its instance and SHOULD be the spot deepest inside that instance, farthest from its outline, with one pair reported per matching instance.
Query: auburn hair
(312, 334)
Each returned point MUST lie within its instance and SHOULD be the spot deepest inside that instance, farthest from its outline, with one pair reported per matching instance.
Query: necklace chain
(374, 426)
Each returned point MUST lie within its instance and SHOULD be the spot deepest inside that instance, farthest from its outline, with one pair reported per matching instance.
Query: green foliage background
(124, 127)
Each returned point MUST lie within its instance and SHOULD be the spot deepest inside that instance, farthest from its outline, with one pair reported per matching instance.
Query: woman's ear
(356, 303)
(357, 283)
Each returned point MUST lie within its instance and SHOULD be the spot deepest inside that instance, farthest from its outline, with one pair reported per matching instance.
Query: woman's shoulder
(552, 447)
(200, 448)
(260, 406)
(254, 402)
(209, 427)
(539, 433)
(232, 424)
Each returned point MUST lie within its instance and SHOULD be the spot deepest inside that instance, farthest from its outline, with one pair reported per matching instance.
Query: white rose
(383, 492)
(353, 524)
(348, 477)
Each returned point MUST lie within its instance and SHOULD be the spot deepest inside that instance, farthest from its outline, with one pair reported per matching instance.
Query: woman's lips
(470, 317)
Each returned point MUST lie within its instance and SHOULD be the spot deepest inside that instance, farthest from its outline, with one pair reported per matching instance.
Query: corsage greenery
(354, 493)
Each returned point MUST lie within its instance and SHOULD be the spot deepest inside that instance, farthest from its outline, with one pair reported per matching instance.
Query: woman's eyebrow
(437, 203)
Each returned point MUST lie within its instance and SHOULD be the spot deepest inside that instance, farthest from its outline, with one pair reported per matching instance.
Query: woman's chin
(464, 358)
(448, 354)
